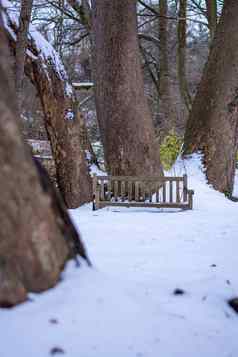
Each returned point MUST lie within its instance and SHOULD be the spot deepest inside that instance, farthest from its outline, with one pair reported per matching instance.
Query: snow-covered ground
(125, 306)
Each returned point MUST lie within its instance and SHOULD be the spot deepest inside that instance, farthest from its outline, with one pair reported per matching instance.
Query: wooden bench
(129, 191)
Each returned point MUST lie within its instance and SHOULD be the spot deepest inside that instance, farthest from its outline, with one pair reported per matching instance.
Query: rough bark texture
(211, 12)
(21, 45)
(124, 119)
(60, 211)
(166, 106)
(33, 251)
(64, 124)
(65, 128)
(213, 123)
(181, 54)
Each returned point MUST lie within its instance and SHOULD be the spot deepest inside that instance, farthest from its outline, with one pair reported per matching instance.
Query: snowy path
(125, 307)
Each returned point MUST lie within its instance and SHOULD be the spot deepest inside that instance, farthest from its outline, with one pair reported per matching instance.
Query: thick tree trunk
(122, 110)
(181, 54)
(211, 7)
(64, 123)
(33, 246)
(21, 45)
(213, 123)
(166, 106)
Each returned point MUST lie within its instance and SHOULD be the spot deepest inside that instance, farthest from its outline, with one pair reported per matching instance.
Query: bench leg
(190, 199)
(96, 200)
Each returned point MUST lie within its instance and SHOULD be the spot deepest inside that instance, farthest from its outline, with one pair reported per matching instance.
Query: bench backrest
(162, 189)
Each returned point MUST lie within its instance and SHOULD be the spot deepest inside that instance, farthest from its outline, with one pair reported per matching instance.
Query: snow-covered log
(64, 123)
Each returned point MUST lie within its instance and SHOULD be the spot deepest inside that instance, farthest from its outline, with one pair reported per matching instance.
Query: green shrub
(170, 149)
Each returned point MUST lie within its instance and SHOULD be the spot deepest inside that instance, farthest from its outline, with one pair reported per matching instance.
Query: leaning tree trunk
(213, 123)
(21, 46)
(64, 124)
(66, 131)
(181, 54)
(124, 118)
(33, 249)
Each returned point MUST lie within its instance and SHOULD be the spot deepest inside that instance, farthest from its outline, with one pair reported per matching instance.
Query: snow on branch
(44, 51)
(83, 85)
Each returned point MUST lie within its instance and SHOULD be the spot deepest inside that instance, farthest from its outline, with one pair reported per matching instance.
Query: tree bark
(213, 123)
(21, 45)
(122, 110)
(181, 54)
(33, 246)
(166, 106)
(66, 131)
(64, 124)
(211, 10)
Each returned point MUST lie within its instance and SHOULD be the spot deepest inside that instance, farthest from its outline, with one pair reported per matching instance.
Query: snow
(39, 145)
(94, 169)
(69, 115)
(83, 85)
(47, 52)
(9, 14)
(235, 192)
(125, 306)
(49, 55)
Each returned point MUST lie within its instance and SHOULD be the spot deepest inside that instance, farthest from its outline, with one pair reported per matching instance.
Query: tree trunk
(122, 110)
(166, 106)
(182, 46)
(33, 246)
(211, 11)
(213, 123)
(64, 124)
(84, 11)
(66, 131)
(21, 45)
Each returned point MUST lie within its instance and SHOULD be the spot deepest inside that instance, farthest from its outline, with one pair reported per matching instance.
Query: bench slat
(123, 189)
(164, 192)
(102, 196)
(137, 191)
(143, 204)
(115, 190)
(185, 188)
(142, 185)
(129, 190)
(141, 178)
(170, 191)
(157, 193)
(177, 192)
(109, 190)
(150, 191)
